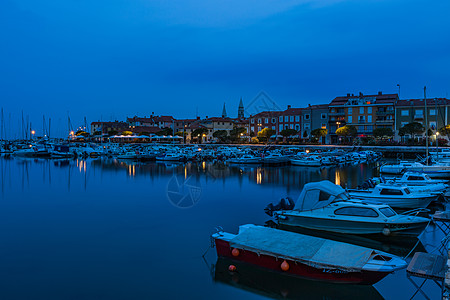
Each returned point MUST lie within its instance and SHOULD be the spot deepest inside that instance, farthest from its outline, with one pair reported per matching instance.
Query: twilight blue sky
(112, 58)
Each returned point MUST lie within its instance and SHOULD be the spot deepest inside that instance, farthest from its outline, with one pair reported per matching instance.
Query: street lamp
(437, 143)
(32, 134)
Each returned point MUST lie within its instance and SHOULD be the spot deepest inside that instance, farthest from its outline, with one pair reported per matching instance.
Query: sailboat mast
(437, 132)
(426, 120)
(23, 128)
(27, 127)
(85, 125)
(2, 128)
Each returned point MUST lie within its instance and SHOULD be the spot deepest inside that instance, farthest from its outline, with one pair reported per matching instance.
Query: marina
(224, 150)
(106, 191)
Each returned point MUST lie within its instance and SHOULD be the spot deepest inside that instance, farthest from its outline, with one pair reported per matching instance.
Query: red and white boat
(306, 256)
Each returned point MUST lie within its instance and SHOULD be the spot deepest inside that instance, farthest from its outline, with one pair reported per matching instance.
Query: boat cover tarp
(317, 195)
(310, 250)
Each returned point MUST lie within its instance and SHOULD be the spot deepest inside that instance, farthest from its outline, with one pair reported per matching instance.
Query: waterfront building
(291, 118)
(108, 127)
(265, 119)
(183, 124)
(210, 124)
(314, 117)
(413, 110)
(365, 112)
(152, 121)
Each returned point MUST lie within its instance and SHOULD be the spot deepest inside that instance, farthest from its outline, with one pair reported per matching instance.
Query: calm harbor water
(110, 229)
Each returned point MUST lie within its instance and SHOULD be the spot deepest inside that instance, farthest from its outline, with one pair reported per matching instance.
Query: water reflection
(400, 246)
(277, 285)
(66, 219)
(290, 177)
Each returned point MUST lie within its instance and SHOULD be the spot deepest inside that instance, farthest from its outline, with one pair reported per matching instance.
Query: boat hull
(354, 227)
(305, 163)
(396, 202)
(299, 269)
(244, 161)
(277, 285)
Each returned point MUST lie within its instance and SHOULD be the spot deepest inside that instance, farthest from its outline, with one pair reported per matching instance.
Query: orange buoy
(232, 268)
(284, 266)
(235, 252)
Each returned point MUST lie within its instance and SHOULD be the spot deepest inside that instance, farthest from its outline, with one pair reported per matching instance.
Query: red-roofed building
(265, 119)
(291, 118)
(107, 127)
(152, 121)
(365, 112)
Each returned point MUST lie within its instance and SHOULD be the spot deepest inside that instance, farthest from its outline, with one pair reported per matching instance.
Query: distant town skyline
(112, 59)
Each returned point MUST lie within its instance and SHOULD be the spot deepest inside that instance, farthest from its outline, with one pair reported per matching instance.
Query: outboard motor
(366, 185)
(284, 204)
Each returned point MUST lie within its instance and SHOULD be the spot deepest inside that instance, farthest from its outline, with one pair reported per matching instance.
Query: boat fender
(232, 268)
(235, 252)
(284, 266)
(386, 231)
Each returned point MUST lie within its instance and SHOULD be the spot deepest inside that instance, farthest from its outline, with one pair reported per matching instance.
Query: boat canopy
(298, 247)
(317, 195)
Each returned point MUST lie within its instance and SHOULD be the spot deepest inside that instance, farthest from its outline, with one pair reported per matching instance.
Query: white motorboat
(129, 155)
(441, 153)
(326, 206)
(170, 157)
(417, 182)
(274, 158)
(435, 170)
(395, 195)
(432, 188)
(245, 159)
(307, 161)
(61, 151)
(32, 151)
(415, 179)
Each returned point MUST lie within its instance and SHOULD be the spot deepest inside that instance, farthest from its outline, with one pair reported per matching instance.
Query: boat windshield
(341, 197)
(387, 191)
(387, 211)
(356, 211)
(412, 177)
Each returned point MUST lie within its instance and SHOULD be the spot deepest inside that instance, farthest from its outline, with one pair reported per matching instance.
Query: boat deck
(298, 247)
(428, 266)
(442, 220)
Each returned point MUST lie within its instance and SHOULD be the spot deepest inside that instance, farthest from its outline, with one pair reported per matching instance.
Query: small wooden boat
(306, 256)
